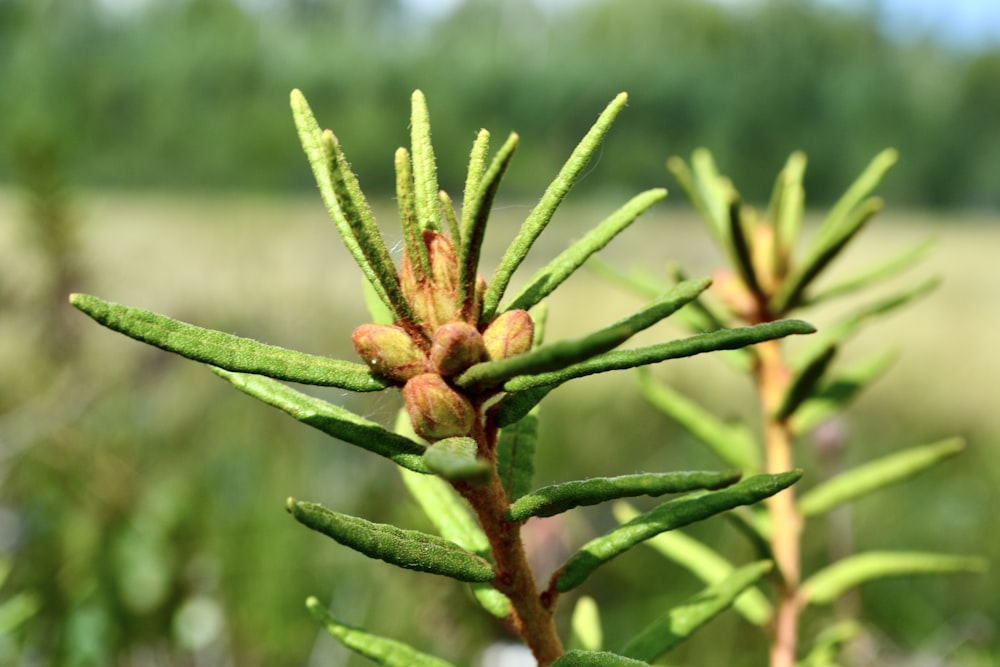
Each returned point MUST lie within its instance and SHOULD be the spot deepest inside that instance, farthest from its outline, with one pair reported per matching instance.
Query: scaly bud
(455, 347)
(389, 351)
(433, 298)
(512, 332)
(436, 410)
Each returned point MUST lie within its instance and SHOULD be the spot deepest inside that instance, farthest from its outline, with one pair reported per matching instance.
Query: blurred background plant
(142, 506)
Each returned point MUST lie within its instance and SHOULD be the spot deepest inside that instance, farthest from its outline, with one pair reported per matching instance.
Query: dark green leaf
(384, 651)
(565, 353)
(516, 455)
(805, 381)
(595, 659)
(875, 475)
(836, 394)
(331, 419)
(546, 207)
(833, 581)
(724, 339)
(556, 499)
(884, 270)
(515, 407)
(409, 549)
(232, 353)
(668, 516)
(681, 622)
(456, 459)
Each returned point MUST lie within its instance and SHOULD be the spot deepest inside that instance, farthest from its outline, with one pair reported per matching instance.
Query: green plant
(767, 280)
(473, 369)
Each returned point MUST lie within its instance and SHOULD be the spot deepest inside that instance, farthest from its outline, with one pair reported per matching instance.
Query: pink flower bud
(389, 351)
(512, 332)
(433, 297)
(455, 347)
(734, 293)
(436, 410)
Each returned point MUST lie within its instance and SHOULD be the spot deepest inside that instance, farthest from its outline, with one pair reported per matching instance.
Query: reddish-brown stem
(773, 377)
(532, 619)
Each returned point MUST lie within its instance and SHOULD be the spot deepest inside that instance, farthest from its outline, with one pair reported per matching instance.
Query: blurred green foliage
(192, 93)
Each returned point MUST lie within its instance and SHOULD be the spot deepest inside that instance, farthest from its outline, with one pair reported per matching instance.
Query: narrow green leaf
(804, 383)
(384, 651)
(425, 185)
(556, 499)
(516, 455)
(724, 339)
(705, 563)
(833, 581)
(16, 610)
(406, 199)
(586, 625)
(733, 443)
(715, 192)
(451, 517)
(837, 393)
(829, 642)
(565, 353)
(456, 459)
(740, 247)
(863, 186)
(682, 173)
(889, 268)
(473, 178)
(359, 216)
(562, 267)
(874, 475)
(233, 353)
(682, 621)
(409, 549)
(321, 161)
(578, 658)
(330, 419)
(822, 251)
(668, 516)
(638, 281)
(516, 406)
(785, 210)
(546, 207)
(377, 310)
(448, 209)
(475, 230)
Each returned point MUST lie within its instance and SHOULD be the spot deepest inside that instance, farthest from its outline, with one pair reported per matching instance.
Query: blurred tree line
(193, 93)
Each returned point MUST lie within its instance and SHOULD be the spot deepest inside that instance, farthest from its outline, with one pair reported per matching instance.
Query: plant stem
(773, 377)
(531, 617)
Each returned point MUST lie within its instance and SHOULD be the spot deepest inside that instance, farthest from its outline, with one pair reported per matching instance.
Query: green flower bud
(436, 410)
(512, 332)
(455, 347)
(389, 351)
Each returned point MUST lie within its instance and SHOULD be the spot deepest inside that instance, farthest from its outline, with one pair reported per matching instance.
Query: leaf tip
(290, 504)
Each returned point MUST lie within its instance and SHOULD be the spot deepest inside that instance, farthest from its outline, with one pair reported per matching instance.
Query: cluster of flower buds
(443, 343)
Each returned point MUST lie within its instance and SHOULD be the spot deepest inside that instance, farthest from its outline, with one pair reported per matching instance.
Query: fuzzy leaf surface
(875, 475)
(409, 549)
(455, 459)
(540, 216)
(565, 353)
(578, 658)
(682, 621)
(562, 267)
(233, 353)
(834, 580)
(705, 563)
(558, 498)
(384, 651)
(724, 339)
(330, 419)
(668, 516)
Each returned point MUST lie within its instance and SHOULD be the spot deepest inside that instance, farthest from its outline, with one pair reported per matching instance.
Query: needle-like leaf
(558, 498)
(425, 184)
(562, 267)
(543, 211)
(233, 353)
(409, 549)
(330, 419)
(384, 651)
(668, 516)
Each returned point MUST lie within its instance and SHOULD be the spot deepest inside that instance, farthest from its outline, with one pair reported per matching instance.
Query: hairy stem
(532, 619)
(773, 378)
